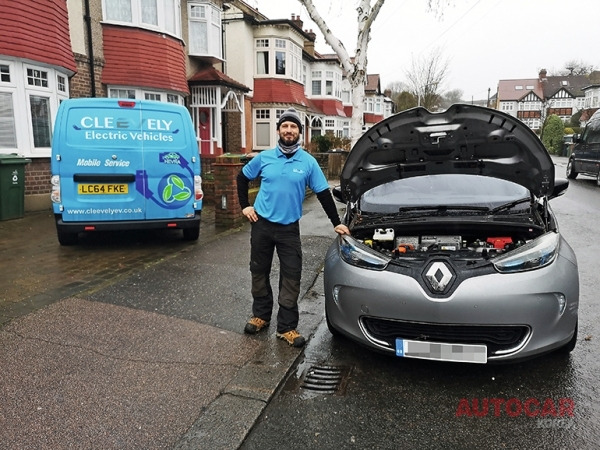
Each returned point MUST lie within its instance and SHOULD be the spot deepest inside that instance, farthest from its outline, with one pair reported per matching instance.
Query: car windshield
(450, 190)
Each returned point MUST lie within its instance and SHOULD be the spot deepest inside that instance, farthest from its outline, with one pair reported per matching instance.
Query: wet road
(382, 402)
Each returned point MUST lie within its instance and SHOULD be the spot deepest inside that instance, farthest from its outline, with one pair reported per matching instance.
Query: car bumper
(530, 301)
(120, 225)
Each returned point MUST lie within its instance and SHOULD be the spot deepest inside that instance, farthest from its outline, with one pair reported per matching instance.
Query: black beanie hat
(290, 115)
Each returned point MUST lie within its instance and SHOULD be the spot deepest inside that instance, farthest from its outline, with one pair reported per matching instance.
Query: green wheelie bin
(12, 186)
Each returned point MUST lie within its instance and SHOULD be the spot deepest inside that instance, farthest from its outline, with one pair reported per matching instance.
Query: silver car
(455, 253)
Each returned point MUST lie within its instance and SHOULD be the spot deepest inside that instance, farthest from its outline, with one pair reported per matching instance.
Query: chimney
(297, 21)
(543, 75)
(309, 44)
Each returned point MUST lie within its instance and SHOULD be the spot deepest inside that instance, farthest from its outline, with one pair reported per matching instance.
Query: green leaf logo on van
(175, 190)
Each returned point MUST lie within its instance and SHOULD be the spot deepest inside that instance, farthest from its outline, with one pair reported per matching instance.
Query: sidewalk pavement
(136, 353)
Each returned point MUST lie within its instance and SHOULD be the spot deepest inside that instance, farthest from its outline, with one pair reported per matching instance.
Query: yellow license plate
(102, 188)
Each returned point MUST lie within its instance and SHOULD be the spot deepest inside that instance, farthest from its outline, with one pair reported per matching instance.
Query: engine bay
(397, 245)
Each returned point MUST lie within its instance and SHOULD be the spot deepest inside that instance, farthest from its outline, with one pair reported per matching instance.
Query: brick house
(232, 67)
(165, 50)
(533, 99)
(36, 64)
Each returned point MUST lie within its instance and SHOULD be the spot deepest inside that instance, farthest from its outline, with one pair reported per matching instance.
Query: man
(285, 172)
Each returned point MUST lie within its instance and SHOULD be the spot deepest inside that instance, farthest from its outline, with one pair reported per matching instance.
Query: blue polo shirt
(283, 183)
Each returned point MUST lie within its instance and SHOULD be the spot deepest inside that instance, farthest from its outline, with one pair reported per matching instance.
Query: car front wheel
(570, 346)
(598, 178)
(332, 330)
(571, 173)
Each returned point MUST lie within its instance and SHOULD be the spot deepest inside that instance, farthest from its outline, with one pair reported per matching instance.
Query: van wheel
(598, 178)
(191, 234)
(67, 238)
(571, 174)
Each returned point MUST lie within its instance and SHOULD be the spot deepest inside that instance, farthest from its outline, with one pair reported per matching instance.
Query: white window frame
(263, 119)
(378, 103)
(132, 92)
(17, 93)
(313, 85)
(277, 50)
(165, 13)
(204, 21)
(155, 96)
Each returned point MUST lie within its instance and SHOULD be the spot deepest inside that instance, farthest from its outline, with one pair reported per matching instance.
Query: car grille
(497, 338)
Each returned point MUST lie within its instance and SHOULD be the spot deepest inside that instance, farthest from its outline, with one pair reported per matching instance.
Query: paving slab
(82, 374)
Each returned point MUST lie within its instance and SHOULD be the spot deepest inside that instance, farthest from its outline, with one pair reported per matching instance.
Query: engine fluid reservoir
(499, 242)
(382, 235)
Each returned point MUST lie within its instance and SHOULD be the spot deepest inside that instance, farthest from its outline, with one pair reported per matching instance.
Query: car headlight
(535, 254)
(357, 254)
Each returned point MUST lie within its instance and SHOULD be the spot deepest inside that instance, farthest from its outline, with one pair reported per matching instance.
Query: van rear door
(170, 162)
(98, 159)
(126, 161)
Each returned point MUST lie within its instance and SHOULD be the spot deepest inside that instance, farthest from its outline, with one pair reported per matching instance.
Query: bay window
(157, 15)
(279, 58)
(29, 98)
(204, 30)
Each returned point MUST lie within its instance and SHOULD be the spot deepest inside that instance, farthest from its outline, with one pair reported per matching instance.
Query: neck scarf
(288, 149)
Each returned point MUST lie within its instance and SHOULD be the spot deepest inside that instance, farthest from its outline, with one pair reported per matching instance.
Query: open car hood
(463, 139)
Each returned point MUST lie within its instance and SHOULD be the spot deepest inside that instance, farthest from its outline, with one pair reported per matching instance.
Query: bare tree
(425, 78)
(356, 66)
(451, 97)
(400, 94)
(574, 67)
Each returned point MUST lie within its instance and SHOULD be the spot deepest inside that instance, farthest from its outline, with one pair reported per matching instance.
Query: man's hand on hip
(250, 214)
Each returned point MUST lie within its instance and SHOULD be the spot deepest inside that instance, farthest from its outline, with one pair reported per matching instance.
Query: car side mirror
(576, 138)
(560, 187)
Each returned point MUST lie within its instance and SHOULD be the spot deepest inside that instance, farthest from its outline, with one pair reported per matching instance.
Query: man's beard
(289, 140)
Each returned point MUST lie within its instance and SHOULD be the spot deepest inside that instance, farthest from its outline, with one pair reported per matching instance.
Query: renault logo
(438, 276)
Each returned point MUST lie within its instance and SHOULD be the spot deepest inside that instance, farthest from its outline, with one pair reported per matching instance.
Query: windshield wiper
(509, 205)
(443, 209)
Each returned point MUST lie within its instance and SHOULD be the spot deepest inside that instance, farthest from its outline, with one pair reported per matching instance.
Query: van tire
(571, 174)
(67, 238)
(191, 234)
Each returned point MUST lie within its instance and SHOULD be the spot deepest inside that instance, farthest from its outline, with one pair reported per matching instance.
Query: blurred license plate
(102, 188)
(441, 352)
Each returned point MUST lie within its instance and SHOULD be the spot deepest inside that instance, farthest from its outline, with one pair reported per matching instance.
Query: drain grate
(326, 379)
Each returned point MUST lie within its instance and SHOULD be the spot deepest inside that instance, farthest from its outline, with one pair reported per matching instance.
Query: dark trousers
(264, 239)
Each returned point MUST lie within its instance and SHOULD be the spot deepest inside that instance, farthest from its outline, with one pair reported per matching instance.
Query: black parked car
(585, 157)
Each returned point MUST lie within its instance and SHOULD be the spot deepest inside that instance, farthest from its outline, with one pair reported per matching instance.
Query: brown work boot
(293, 338)
(255, 324)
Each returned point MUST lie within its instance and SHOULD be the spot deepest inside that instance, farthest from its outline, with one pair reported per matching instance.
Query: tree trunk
(356, 71)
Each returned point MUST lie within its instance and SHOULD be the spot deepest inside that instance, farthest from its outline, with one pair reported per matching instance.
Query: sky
(483, 41)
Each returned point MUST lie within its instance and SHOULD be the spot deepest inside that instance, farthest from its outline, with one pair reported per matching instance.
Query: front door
(204, 131)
